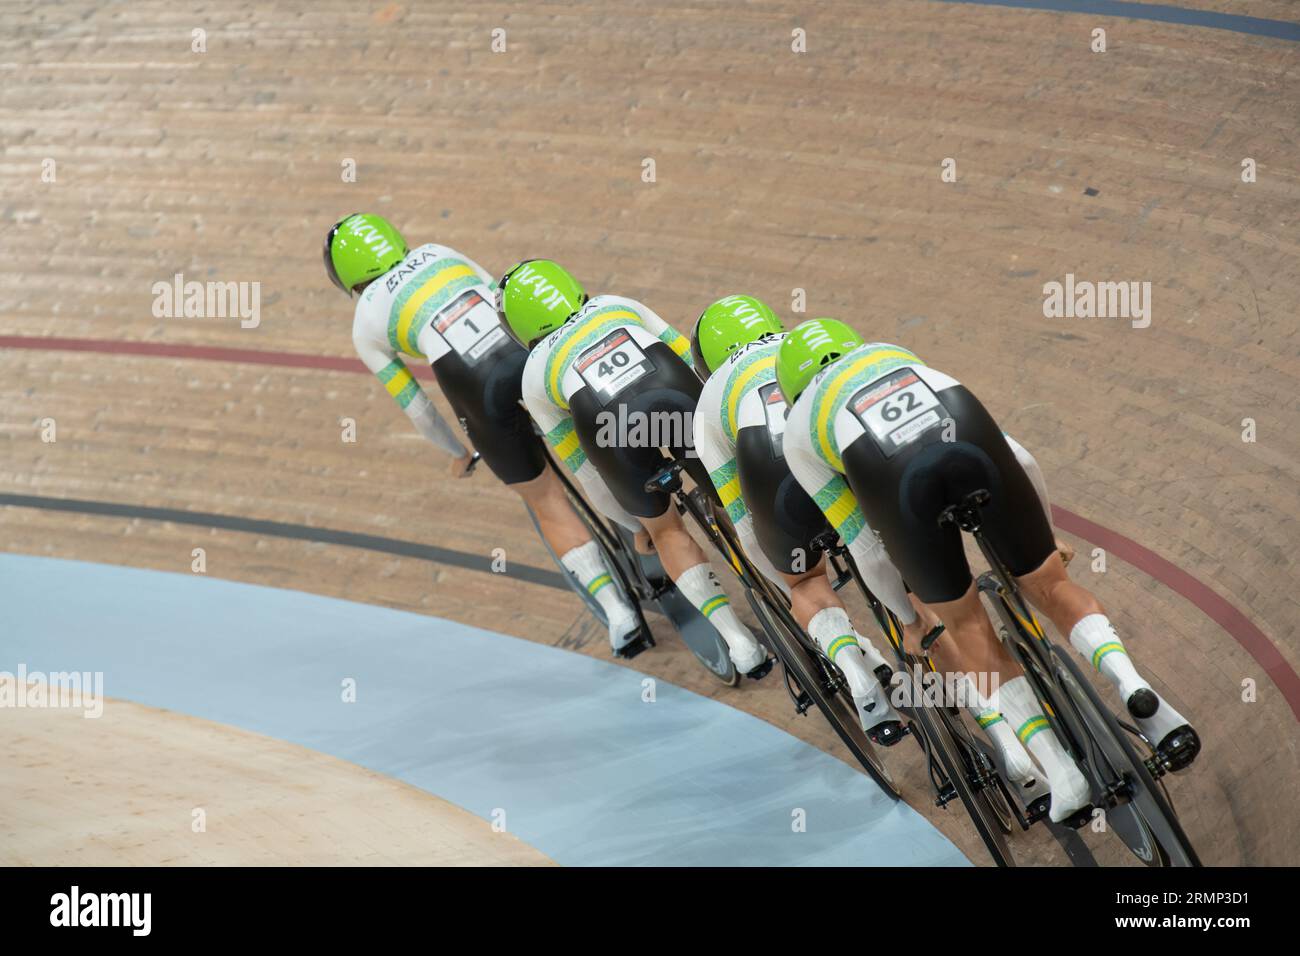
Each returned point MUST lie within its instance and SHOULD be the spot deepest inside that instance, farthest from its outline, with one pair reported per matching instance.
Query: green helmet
(727, 325)
(536, 297)
(361, 247)
(808, 349)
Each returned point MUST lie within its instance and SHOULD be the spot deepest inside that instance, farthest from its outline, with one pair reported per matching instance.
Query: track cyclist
(739, 429)
(434, 304)
(609, 383)
(873, 422)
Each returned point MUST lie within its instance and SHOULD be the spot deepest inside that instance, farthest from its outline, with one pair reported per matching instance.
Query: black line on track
(296, 532)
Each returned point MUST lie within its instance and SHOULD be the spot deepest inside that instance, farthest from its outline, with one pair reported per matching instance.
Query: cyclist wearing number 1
(871, 421)
(436, 305)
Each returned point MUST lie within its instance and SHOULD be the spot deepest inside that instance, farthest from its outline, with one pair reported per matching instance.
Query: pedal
(762, 670)
(1079, 819)
(887, 733)
(798, 696)
(1038, 808)
(1179, 748)
(642, 642)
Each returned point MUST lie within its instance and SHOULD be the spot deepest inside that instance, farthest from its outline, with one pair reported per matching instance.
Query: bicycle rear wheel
(1143, 819)
(1135, 808)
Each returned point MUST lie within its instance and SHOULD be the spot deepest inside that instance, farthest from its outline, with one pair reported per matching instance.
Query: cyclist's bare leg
(687, 565)
(819, 611)
(969, 645)
(951, 656)
(1076, 612)
(560, 525)
(580, 555)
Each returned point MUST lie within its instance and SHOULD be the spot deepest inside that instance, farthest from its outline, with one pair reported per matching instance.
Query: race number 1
(471, 326)
(897, 410)
(612, 365)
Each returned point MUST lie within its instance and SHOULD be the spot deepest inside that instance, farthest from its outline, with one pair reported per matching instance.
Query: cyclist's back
(911, 441)
(609, 382)
(614, 367)
(437, 306)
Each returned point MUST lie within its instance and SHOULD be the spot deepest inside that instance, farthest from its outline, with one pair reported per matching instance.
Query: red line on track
(1243, 630)
(1215, 607)
(209, 353)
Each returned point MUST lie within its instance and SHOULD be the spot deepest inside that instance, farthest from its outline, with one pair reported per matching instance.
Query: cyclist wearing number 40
(739, 428)
(609, 383)
(872, 422)
(435, 305)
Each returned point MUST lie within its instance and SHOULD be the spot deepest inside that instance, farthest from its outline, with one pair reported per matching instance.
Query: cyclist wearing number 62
(739, 433)
(434, 304)
(874, 423)
(609, 383)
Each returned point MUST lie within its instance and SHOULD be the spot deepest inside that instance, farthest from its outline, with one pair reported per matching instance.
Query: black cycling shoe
(1038, 808)
(1143, 703)
(642, 642)
(1179, 748)
(1079, 819)
(762, 670)
(887, 733)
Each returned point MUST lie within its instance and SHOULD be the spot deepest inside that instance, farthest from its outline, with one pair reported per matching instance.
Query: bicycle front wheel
(835, 705)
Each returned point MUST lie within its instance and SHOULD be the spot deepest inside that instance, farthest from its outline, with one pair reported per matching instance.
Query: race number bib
(612, 365)
(774, 410)
(471, 326)
(897, 410)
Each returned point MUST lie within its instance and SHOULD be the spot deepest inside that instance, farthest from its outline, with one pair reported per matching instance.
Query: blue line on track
(1158, 13)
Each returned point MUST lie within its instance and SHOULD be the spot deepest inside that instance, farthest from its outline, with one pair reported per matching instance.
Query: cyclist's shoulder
(798, 420)
(713, 394)
(370, 316)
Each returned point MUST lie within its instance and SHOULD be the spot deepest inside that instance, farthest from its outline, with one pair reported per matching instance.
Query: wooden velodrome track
(775, 171)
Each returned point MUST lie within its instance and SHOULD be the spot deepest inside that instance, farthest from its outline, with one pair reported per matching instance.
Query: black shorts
(786, 519)
(903, 496)
(670, 387)
(485, 396)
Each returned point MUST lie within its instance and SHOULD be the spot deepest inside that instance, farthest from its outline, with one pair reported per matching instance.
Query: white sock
(701, 587)
(587, 564)
(831, 629)
(1020, 769)
(1096, 641)
(1070, 790)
